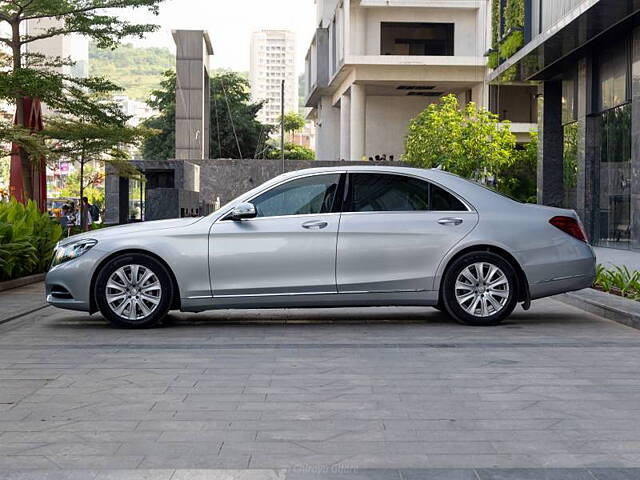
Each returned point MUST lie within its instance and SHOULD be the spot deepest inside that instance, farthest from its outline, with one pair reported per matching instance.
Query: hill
(136, 69)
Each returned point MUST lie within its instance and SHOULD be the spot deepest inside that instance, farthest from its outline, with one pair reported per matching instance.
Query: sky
(230, 24)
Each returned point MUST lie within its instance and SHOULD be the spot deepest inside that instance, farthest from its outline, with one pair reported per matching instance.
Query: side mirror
(242, 211)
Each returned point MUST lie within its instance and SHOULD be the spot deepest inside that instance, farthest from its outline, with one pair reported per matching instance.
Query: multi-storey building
(373, 65)
(273, 59)
(584, 55)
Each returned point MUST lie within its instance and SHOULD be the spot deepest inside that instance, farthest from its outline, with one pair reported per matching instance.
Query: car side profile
(332, 237)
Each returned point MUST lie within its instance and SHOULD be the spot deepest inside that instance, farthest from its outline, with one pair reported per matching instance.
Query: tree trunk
(25, 161)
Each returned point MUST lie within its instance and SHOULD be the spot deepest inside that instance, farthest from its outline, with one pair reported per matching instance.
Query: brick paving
(343, 394)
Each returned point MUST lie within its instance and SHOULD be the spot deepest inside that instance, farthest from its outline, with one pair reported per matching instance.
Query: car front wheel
(134, 290)
(480, 288)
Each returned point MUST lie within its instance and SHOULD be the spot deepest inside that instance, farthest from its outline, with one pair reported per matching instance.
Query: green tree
(292, 151)
(293, 122)
(98, 143)
(37, 76)
(468, 141)
(519, 179)
(92, 184)
(235, 130)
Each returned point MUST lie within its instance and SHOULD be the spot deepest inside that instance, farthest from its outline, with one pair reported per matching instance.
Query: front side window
(370, 192)
(304, 196)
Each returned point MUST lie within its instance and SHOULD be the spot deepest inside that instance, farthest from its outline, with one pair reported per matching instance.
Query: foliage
(27, 240)
(468, 141)
(519, 179)
(93, 179)
(293, 122)
(510, 38)
(292, 151)
(35, 75)
(137, 70)
(619, 280)
(232, 115)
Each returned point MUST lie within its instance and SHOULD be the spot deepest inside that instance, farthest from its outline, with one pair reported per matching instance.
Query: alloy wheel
(482, 289)
(133, 292)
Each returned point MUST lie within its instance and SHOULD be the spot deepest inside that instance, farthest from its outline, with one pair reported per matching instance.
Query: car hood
(121, 230)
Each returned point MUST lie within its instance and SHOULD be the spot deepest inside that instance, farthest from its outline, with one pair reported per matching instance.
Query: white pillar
(345, 127)
(358, 118)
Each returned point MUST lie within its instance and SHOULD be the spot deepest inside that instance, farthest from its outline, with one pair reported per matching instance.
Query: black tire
(165, 296)
(448, 289)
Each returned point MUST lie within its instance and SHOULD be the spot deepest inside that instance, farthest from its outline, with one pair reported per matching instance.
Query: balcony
(317, 66)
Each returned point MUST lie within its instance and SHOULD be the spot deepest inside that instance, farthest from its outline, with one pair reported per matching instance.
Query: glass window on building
(570, 135)
(612, 195)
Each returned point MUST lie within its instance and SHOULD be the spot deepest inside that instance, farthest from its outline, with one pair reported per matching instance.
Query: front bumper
(68, 285)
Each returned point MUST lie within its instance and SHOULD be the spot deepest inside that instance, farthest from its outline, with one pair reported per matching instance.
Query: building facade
(273, 59)
(373, 65)
(584, 55)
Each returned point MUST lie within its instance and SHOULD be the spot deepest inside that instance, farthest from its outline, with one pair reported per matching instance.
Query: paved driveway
(299, 394)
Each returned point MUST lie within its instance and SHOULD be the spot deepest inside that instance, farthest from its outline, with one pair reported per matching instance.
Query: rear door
(394, 231)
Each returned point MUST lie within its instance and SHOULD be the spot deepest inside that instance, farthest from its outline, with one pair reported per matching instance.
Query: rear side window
(370, 192)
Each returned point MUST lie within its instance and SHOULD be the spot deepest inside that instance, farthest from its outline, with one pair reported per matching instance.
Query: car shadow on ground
(392, 316)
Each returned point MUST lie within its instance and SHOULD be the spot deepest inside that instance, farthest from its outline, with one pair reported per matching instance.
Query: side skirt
(330, 300)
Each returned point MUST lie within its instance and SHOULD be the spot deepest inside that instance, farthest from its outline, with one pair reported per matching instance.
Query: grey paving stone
(615, 473)
(438, 474)
(534, 474)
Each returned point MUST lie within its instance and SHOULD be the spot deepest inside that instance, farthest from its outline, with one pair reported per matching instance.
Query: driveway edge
(21, 282)
(607, 305)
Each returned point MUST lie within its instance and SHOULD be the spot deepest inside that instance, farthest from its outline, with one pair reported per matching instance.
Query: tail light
(570, 226)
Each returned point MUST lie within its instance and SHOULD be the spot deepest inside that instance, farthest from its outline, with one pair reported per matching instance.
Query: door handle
(315, 225)
(450, 221)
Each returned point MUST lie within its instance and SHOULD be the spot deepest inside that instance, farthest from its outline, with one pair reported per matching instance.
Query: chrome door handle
(315, 225)
(450, 221)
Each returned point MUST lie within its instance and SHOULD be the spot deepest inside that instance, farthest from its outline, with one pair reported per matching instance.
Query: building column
(358, 119)
(345, 127)
(551, 147)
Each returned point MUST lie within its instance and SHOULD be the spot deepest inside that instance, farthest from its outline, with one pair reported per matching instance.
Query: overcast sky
(230, 24)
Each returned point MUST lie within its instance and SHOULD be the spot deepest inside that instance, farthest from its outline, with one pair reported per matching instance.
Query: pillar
(358, 118)
(345, 127)
(550, 163)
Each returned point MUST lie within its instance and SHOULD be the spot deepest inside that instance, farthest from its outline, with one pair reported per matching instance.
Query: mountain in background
(136, 69)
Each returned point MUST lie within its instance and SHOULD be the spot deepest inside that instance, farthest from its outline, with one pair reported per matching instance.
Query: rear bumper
(563, 285)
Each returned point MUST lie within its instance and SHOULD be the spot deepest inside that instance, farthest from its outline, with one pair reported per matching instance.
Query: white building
(273, 59)
(138, 111)
(373, 65)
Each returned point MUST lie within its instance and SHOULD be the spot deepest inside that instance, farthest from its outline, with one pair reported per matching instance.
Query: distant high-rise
(273, 59)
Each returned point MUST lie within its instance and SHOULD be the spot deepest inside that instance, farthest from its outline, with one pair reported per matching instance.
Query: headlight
(71, 250)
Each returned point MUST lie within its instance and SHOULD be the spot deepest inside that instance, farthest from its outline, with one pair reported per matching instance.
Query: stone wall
(228, 179)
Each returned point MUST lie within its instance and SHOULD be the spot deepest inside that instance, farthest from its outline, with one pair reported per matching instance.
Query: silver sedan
(332, 237)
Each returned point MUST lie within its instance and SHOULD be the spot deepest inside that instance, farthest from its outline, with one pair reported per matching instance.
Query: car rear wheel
(134, 290)
(480, 288)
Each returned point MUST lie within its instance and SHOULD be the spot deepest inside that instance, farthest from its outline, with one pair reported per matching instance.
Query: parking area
(366, 393)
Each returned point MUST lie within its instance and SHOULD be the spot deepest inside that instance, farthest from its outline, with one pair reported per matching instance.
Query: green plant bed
(618, 281)
(27, 240)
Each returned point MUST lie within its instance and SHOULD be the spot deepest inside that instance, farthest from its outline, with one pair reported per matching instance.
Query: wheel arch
(523, 283)
(176, 303)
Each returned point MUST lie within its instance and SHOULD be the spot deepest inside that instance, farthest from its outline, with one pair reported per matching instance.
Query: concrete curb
(21, 282)
(607, 305)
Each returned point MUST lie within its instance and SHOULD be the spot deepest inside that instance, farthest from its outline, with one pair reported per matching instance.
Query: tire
(473, 299)
(149, 300)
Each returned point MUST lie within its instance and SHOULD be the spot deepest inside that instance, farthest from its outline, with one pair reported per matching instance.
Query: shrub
(292, 151)
(27, 240)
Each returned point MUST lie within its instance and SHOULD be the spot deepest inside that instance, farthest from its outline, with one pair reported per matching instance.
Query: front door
(289, 248)
(394, 232)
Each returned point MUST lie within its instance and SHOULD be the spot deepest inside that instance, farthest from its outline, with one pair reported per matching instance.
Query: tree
(292, 151)
(235, 130)
(519, 180)
(468, 141)
(85, 142)
(37, 76)
(293, 122)
(92, 182)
